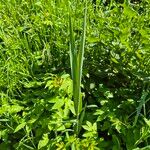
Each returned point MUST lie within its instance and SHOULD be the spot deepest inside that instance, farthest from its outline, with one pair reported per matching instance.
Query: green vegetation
(95, 96)
(76, 61)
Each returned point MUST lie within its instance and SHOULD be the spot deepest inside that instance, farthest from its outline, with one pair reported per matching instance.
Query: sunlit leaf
(20, 126)
(44, 141)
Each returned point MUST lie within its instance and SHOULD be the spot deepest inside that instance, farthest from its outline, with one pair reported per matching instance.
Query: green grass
(98, 105)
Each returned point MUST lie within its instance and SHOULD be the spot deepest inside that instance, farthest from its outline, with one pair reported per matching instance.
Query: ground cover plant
(40, 95)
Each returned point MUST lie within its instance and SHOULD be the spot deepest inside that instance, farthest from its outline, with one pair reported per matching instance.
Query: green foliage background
(36, 107)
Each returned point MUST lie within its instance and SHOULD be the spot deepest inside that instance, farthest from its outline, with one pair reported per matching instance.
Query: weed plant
(36, 87)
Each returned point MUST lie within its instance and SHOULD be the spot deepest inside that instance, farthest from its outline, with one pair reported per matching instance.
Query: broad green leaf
(71, 107)
(15, 108)
(4, 134)
(114, 60)
(108, 94)
(49, 84)
(86, 127)
(89, 124)
(88, 134)
(59, 103)
(20, 126)
(95, 127)
(128, 11)
(4, 109)
(99, 112)
(43, 142)
(61, 128)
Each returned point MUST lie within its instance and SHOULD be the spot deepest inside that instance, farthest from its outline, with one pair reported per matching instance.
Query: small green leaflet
(43, 142)
(19, 127)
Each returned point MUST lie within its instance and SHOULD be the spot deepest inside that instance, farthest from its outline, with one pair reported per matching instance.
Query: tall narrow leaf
(76, 61)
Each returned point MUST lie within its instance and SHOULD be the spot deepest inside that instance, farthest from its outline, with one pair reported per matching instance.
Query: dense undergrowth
(36, 106)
